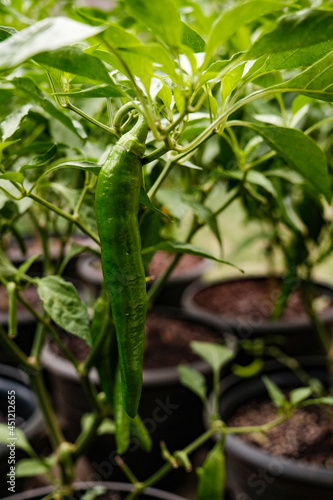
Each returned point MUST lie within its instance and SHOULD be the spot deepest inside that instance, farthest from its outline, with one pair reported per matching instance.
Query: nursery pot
(170, 411)
(189, 269)
(117, 491)
(23, 404)
(253, 474)
(232, 305)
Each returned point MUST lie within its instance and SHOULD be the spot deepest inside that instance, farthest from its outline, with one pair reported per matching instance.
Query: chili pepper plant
(135, 126)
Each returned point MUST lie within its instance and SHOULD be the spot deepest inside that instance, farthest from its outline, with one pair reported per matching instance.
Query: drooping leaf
(48, 34)
(162, 18)
(62, 302)
(212, 475)
(73, 60)
(89, 166)
(179, 247)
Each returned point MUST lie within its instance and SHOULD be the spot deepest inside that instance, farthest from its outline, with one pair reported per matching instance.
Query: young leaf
(274, 392)
(212, 475)
(300, 394)
(12, 121)
(29, 467)
(162, 18)
(73, 60)
(107, 427)
(13, 176)
(193, 380)
(45, 35)
(300, 152)
(20, 440)
(249, 370)
(62, 302)
(214, 354)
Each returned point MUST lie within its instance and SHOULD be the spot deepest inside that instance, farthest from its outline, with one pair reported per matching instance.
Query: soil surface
(249, 299)
(307, 436)
(166, 344)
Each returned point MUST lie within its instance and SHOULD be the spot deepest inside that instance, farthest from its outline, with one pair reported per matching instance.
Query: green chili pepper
(117, 204)
(212, 475)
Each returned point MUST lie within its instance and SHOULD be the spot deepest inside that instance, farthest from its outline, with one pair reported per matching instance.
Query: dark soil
(161, 260)
(166, 344)
(307, 436)
(249, 299)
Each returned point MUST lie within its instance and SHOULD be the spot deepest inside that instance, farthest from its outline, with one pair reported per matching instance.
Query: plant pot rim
(34, 423)
(151, 377)
(229, 323)
(249, 453)
(112, 486)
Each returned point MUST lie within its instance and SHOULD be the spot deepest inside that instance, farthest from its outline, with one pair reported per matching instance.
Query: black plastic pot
(253, 474)
(81, 488)
(28, 417)
(170, 411)
(299, 336)
(89, 270)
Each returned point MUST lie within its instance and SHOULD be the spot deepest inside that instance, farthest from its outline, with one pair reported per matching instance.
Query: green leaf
(20, 440)
(192, 39)
(27, 86)
(62, 302)
(274, 392)
(48, 34)
(145, 200)
(300, 152)
(42, 159)
(231, 80)
(141, 434)
(73, 60)
(325, 400)
(231, 20)
(162, 18)
(6, 144)
(13, 176)
(110, 90)
(26, 266)
(89, 166)
(13, 121)
(193, 380)
(300, 394)
(212, 475)
(214, 354)
(179, 247)
(298, 40)
(6, 32)
(29, 467)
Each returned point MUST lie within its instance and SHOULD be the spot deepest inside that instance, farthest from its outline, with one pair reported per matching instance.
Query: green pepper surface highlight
(117, 204)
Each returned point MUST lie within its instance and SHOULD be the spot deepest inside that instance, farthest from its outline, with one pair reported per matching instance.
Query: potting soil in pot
(249, 298)
(307, 436)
